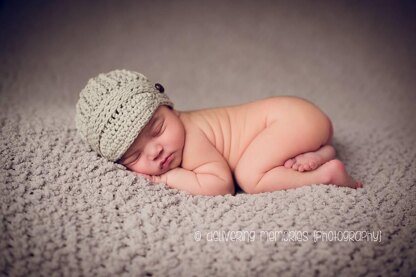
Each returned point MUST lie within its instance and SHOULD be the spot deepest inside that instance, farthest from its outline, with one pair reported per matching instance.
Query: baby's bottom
(268, 163)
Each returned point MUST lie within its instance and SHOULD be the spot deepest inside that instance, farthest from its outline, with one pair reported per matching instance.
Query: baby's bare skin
(270, 144)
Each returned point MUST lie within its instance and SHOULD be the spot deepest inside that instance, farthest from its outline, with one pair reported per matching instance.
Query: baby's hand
(154, 178)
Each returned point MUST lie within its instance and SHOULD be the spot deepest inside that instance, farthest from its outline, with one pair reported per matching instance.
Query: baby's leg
(261, 169)
(332, 172)
(311, 160)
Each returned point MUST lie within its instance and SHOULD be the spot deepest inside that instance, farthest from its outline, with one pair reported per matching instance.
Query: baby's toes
(289, 163)
(313, 165)
(306, 167)
(295, 166)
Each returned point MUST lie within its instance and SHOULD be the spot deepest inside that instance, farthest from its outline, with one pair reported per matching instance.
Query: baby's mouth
(166, 161)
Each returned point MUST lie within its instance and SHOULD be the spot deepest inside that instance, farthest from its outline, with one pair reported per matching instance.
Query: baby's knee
(327, 130)
(330, 131)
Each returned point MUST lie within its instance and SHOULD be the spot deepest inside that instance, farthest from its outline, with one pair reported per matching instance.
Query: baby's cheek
(139, 170)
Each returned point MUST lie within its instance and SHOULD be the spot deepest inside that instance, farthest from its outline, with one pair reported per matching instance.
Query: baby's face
(159, 146)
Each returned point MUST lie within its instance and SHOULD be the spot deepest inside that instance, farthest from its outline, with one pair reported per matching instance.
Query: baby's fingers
(148, 177)
(151, 178)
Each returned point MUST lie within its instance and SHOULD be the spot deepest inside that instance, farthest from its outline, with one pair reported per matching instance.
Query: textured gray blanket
(65, 211)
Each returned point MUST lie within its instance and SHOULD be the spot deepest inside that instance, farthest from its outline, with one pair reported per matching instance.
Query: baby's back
(231, 129)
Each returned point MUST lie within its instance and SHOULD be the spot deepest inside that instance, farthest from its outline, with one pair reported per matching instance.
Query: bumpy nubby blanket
(64, 211)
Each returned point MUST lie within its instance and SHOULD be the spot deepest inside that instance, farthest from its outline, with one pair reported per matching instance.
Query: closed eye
(157, 131)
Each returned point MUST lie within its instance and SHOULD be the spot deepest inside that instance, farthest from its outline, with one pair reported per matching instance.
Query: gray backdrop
(66, 211)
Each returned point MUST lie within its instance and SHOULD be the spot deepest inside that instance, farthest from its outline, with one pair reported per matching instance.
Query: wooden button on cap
(159, 87)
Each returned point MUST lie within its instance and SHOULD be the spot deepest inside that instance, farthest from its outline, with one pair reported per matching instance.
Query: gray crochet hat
(114, 107)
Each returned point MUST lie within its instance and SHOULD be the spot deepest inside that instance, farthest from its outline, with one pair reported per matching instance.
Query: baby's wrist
(164, 178)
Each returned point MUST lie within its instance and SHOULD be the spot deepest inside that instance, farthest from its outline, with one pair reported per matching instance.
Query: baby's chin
(159, 172)
(173, 165)
(166, 170)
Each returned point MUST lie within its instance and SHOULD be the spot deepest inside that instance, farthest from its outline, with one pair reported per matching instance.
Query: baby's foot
(334, 173)
(311, 160)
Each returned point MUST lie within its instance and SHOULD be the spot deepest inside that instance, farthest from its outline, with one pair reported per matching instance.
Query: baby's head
(128, 119)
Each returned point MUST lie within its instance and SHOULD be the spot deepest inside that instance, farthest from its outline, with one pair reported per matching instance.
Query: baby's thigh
(276, 144)
(268, 149)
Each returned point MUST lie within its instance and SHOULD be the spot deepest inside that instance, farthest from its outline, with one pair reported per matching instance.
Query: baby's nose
(156, 151)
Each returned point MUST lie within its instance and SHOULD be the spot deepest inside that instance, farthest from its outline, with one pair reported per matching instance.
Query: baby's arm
(204, 170)
(199, 182)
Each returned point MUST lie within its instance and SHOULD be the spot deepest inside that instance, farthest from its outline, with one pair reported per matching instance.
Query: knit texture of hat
(113, 109)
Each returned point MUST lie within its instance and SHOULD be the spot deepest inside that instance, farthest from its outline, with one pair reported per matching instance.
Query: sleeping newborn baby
(267, 145)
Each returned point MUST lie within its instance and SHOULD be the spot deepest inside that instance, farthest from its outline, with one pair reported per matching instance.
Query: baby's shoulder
(196, 143)
(205, 120)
